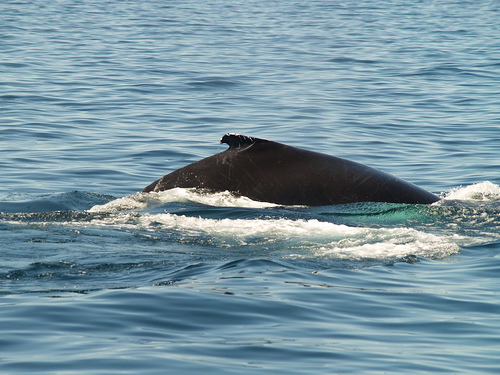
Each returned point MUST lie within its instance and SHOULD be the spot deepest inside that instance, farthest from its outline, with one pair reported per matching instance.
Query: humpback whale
(274, 172)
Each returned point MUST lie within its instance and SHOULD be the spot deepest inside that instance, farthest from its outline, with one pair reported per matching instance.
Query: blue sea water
(100, 98)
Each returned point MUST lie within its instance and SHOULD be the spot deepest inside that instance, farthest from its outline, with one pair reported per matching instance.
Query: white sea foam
(291, 238)
(288, 238)
(483, 191)
(142, 201)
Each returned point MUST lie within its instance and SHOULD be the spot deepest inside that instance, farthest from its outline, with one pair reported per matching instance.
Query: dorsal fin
(237, 140)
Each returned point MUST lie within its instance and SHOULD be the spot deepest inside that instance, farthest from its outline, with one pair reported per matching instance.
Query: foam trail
(143, 201)
(452, 226)
(291, 238)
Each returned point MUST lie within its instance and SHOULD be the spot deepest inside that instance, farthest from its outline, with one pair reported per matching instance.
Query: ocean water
(100, 98)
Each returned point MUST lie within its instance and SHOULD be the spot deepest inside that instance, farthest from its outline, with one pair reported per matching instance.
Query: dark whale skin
(269, 171)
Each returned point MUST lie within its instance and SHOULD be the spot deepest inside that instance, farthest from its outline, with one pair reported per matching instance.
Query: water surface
(100, 98)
